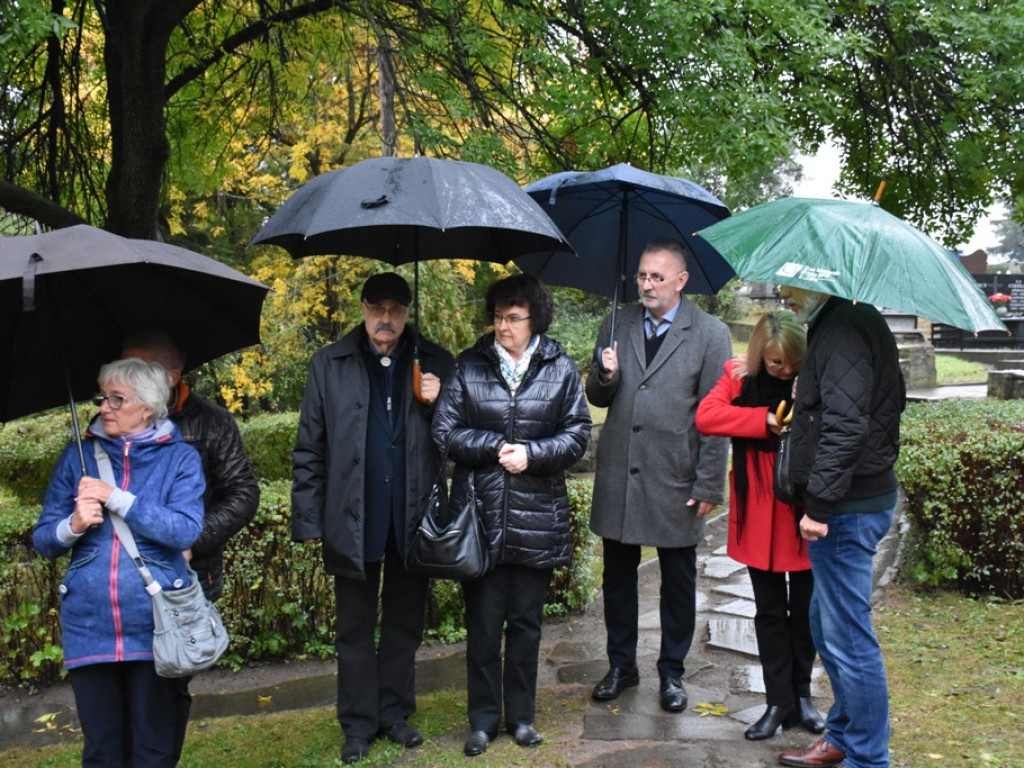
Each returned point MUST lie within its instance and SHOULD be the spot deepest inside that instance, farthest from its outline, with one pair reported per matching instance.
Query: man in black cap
(364, 462)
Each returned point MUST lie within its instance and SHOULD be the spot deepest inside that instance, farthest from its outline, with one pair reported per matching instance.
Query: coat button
(634, 470)
(178, 584)
(637, 428)
(63, 589)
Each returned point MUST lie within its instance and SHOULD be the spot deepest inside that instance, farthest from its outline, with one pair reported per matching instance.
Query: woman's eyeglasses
(510, 319)
(114, 401)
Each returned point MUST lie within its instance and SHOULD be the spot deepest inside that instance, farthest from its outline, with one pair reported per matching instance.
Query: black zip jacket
(526, 516)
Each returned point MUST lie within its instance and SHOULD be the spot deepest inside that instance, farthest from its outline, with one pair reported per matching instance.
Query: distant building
(976, 263)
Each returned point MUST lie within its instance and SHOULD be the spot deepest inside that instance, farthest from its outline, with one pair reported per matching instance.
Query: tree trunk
(386, 93)
(137, 34)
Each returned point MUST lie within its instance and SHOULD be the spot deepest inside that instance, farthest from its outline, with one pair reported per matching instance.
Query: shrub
(30, 652)
(278, 602)
(29, 449)
(960, 472)
(269, 441)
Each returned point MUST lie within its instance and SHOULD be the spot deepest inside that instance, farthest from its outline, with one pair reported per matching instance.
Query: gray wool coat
(650, 457)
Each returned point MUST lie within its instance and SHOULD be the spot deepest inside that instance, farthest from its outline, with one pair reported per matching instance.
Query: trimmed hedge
(278, 602)
(960, 469)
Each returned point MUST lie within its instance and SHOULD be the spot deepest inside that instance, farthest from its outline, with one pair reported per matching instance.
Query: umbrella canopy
(69, 297)
(409, 209)
(854, 250)
(609, 215)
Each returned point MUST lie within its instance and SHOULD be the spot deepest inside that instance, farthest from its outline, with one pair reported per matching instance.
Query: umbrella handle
(881, 188)
(417, 381)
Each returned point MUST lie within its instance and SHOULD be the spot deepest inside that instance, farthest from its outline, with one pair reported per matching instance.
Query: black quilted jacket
(846, 422)
(232, 494)
(526, 515)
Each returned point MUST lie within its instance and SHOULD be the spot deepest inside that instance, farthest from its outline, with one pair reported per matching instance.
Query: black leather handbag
(449, 543)
(782, 482)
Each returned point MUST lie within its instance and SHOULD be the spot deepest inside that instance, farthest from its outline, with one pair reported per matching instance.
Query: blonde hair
(778, 328)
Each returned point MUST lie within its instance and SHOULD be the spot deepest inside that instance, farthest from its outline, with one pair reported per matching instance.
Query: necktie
(652, 328)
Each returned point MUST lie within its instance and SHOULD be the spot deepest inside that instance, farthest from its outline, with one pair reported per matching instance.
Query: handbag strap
(124, 533)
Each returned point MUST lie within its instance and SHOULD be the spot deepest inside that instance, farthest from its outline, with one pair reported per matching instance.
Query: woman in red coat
(763, 532)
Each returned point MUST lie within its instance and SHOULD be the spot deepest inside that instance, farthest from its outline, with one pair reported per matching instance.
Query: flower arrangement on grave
(999, 299)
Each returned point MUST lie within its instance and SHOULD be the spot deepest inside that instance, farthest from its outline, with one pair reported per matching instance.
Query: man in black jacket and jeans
(844, 443)
(364, 463)
(232, 495)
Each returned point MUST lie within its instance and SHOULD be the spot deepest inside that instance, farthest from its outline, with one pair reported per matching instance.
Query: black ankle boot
(769, 723)
(806, 715)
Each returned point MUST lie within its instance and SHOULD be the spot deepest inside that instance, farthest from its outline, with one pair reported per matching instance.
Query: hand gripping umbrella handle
(417, 380)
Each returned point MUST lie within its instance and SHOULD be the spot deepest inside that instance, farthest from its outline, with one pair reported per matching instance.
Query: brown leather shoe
(820, 755)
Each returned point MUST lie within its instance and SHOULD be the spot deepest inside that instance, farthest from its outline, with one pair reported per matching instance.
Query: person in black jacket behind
(513, 418)
(363, 467)
(844, 443)
(232, 495)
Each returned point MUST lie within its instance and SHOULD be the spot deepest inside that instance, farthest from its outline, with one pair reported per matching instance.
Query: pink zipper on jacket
(115, 559)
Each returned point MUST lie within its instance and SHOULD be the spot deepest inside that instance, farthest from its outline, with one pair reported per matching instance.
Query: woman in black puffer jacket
(513, 418)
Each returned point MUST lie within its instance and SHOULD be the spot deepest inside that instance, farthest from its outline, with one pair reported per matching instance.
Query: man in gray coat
(657, 476)
(364, 462)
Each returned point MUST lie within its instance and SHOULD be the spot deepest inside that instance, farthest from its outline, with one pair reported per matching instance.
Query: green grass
(311, 737)
(950, 369)
(956, 678)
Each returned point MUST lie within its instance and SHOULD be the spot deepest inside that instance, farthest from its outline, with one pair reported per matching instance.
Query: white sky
(821, 171)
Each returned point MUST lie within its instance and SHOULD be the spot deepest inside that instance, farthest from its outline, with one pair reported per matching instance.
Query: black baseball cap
(388, 285)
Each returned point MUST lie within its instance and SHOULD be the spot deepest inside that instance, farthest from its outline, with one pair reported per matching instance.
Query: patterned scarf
(514, 371)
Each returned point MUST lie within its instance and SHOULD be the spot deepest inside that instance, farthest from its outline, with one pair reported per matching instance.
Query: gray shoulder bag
(188, 633)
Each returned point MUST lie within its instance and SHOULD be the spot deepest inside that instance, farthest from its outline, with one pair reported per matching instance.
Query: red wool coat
(770, 540)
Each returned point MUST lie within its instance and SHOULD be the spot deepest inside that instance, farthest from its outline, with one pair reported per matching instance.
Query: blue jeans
(840, 616)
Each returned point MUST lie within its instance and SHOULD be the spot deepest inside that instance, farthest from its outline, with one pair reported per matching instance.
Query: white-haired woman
(127, 711)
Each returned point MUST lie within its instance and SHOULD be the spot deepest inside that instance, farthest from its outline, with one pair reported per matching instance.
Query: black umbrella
(405, 210)
(609, 215)
(69, 297)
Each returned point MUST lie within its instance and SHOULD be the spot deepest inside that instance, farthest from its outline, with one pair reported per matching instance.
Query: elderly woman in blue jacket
(513, 418)
(127, 711)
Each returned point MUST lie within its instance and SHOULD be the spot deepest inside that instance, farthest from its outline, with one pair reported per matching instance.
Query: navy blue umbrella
(607, 217)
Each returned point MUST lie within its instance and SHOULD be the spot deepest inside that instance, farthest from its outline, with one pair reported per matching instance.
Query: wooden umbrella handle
(417, 381)
(881, 188)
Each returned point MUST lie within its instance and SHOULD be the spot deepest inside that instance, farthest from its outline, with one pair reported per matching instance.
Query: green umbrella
(854, 250)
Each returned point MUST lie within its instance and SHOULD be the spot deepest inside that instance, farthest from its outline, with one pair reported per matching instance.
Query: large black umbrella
(405, 210)
(69, 297)
(608, 216)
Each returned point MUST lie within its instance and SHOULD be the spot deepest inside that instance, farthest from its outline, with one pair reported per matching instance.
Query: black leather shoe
(806, 715)
(476, 744)
(673, 695)
(354, 749)
(769, 723)
(404, 734)
(616, 681)
(526, 735)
